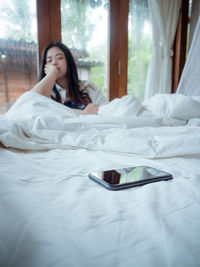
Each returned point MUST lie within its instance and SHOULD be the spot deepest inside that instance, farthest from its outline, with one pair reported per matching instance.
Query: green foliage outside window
(17, 20)
(138, 61)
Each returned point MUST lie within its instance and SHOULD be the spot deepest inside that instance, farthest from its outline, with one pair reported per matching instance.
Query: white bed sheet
(51, 214)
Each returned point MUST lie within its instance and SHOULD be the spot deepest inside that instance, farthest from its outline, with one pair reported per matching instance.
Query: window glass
(18, 50)
(139, 46)
(85, 32)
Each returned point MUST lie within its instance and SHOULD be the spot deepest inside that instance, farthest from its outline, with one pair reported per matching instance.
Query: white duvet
(36, 122)
(51, 214)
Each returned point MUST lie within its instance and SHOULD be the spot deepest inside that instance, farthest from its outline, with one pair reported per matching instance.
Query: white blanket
(38, 123)
(51, 214)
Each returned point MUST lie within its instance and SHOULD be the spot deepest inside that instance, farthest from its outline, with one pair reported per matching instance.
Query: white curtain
(164, 14)
(190, 79)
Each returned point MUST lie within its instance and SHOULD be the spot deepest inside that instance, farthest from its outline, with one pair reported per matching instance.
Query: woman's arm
(45, 86)
(91, 109)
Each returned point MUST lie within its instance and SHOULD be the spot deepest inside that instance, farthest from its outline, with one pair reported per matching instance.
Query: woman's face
(56, 57)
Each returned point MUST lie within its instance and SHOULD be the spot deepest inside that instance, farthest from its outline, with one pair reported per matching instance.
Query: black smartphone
(129, 177)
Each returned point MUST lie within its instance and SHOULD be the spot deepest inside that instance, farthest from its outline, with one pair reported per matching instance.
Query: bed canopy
(189, 83)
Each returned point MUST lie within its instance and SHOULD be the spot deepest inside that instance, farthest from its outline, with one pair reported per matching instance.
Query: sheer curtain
(164, 22)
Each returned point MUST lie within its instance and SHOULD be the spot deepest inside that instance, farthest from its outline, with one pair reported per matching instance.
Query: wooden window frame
(180, 45)
(48, 23)
(118, 48)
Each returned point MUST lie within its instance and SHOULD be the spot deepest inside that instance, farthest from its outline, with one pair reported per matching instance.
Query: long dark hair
(75, 92)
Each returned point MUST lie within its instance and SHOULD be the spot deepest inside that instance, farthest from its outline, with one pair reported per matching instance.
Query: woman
(59, 80)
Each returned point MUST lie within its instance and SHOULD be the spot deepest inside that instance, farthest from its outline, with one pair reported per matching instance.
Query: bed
(51, 214)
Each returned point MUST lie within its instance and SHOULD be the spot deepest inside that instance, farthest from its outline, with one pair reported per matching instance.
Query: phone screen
(128, 177)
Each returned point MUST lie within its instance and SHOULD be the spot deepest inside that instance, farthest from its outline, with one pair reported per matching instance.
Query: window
(84, 31)
(18, 50)
(139, 46)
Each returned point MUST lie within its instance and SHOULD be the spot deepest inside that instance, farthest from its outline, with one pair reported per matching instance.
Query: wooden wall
(17, 84)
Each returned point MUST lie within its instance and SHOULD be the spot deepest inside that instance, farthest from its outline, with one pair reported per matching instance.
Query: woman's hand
(91, 109)
(50, 69)
(44, 87)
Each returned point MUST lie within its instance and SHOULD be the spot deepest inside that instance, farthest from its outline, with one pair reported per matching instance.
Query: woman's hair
(75, 92)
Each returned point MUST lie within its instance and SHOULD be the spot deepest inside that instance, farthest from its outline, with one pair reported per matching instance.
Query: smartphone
(129, 177)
